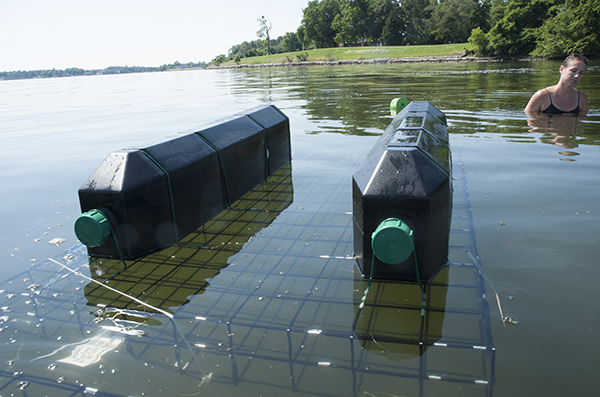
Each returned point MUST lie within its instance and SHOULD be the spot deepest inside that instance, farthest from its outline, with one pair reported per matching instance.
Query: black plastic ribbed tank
(132, 191)
(277, 126)
(195, 180)
(407, 176)
(154, 196)
(242, 147)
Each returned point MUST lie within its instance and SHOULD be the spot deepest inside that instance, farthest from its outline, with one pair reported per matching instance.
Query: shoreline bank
(378, 61)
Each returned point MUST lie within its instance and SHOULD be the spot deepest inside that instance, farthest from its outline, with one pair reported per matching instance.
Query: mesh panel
(266, 295)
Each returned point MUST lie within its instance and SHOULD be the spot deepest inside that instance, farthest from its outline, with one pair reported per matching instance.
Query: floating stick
(478, 266)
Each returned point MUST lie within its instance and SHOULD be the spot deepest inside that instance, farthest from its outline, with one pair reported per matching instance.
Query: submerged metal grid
(267, 294)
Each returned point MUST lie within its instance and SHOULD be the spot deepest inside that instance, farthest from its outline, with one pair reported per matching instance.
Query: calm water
(271, 308)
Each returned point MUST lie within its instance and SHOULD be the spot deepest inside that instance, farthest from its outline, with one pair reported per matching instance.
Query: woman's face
(573, 72)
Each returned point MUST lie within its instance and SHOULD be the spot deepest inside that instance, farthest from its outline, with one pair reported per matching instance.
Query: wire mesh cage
(262, 299)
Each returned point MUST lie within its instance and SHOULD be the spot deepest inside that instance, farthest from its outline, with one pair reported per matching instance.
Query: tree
(300, 35)
(317, 22)
(328, 22)
(479, 42)
(74, 72)
(451, 20)
(247, 49)
(417, 21)
(290, 43)
(515, 33)
(480, 16)
(349, 24)
(387, 23)
(497, 8)
(219, 59)
(263, 31)
(575, 28)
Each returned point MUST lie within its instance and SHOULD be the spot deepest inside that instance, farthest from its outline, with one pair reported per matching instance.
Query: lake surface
(265, 297)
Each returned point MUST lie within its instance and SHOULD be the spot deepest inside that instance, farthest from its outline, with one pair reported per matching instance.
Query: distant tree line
(33, 74)
(551, 28)
(176, 65)
(127, 69)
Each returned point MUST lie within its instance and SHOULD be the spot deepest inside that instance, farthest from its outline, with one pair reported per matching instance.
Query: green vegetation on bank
(546, 28)
(357, 53)
(542, 28)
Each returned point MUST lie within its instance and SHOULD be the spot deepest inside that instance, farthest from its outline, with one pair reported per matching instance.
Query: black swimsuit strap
(572, 111)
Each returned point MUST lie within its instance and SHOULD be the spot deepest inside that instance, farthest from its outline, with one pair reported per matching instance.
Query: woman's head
(573, 69)
(574, 58)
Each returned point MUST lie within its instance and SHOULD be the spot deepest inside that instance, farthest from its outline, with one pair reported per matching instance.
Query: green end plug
(92, 228)
(392, 241)
(397, 105)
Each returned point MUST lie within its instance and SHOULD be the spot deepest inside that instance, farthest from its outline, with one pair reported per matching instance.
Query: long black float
(142, 200)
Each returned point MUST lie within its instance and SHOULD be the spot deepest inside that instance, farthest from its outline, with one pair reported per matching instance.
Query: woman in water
(562, 97)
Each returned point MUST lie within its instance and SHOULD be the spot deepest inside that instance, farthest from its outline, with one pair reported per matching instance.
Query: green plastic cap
(397, 105)
(392, 241)
(92, 228)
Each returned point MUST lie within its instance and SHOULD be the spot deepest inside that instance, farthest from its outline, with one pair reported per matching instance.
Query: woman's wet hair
(575, 57)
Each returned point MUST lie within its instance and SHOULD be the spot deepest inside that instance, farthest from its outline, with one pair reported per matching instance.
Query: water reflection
(559, 129)
(354, 100)
(391, 323)
(167, 278)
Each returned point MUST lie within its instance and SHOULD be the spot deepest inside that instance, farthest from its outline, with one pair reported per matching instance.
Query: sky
(88, 34)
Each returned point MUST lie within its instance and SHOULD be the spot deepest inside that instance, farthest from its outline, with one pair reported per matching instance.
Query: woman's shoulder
(539, 100)
(548, 90)
(544, 91)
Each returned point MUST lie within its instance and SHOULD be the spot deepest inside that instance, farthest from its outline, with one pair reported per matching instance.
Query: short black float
(402, 198)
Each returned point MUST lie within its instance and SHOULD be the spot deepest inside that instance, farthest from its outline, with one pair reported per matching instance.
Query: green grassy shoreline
(364, 54)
